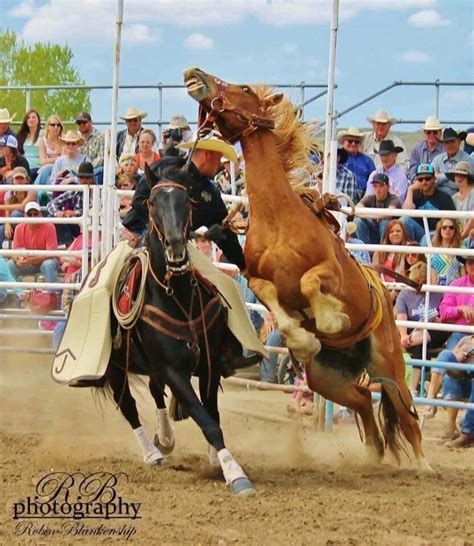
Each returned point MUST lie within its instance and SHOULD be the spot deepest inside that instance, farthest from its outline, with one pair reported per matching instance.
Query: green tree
(40, 64)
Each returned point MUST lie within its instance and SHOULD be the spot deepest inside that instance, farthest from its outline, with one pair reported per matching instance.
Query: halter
(221, 104)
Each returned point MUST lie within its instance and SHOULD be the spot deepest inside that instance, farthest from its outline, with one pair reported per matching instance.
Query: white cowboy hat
(5, 116)
(212, 144)
(179, 122)
(432, 124)
(72, 136)
(351, 132)
(133, 112)
(381, 117)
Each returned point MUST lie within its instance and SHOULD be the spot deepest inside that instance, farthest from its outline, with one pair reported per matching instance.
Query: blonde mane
(295, 140)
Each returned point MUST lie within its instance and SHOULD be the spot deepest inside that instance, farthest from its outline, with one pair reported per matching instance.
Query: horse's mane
(296, 140)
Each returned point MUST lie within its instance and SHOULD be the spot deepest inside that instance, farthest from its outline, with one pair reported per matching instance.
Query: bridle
(158, 229)
(220, 104)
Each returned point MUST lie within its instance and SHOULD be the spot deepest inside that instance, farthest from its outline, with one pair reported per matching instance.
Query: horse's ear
(150, 177)
(273, 100)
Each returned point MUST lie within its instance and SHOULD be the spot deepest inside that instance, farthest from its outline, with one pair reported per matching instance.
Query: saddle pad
(85, 348)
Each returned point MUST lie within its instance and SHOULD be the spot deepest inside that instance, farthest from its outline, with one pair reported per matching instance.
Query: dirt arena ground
(313, 488)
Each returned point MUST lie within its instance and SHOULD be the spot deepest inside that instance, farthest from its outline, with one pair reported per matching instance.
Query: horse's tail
(390, 426)
(177, 411)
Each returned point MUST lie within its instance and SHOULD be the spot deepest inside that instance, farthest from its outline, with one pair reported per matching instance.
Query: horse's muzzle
(176, 253)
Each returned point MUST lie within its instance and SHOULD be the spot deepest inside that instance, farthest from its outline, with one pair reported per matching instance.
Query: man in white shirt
(127, 140)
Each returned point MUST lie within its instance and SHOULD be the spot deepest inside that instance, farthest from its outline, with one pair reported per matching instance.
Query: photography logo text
(71, 504)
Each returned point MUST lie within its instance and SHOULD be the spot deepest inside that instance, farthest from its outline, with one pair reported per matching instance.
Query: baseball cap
(18, 172)
(8, 140)
(380, 178)
(83, 116)
(32, 205)
(425, 168)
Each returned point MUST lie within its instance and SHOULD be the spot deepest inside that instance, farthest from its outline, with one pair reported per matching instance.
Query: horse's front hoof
(154, 459)
(337, 322)
(424, 467)
(165, 450)
(242, 487)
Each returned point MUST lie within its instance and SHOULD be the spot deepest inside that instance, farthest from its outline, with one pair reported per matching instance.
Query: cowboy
(372, 229)
(381, 130)
(424, 195)
(346, 180)
(357, 162)
(127, 140)
(448, 160)
(388, 153)
(70, 158)
(94, 143)
(5, 120)
(427, 149)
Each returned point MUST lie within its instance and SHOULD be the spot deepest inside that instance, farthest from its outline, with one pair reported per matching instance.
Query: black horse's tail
(177, 411)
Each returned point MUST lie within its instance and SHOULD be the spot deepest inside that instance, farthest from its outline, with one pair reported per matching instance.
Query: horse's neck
(265, 178)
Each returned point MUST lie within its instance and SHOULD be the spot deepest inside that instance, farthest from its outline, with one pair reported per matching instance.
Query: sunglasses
(81, 122)
(425, 178)
(431, 132)
(33, 213)
(448, 227)
(133, 120)
(352, 141)
(54, 124)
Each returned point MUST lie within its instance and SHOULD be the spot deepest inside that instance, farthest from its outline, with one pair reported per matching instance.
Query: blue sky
(266, 41)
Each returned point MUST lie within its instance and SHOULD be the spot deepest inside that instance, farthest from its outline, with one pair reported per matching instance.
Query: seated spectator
(463, 176)
(49, 150)
(271, 337)
(70, 203)
(346, 180)
(146, 153)
(447, 161)
(372, 229)
(410, 305)
(28, 137)
(125, 182)
(466, 438)
(93, 146)
(445, 267)
(456, 387)
(362, 256)
(424, 195)
(413, 257)
(9, 151)
(127, 140)
(382, 125)
(128, 165)
(223, 178)
(40, 236)
(69, 160)
(398, 180)
(395, 234)
(357, 162)
(15, 201)
(428, 148)
(5, 120)
(7, 299)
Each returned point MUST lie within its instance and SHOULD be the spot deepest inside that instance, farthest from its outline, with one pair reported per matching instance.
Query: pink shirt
(39, 238)
(449, 307)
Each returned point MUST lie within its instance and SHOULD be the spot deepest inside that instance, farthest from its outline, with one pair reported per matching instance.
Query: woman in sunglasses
(49, 150)
(445, 267)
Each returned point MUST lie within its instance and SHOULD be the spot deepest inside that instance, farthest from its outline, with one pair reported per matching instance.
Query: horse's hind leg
(234, 476)
(340, 388)
(164, 438)
(317, 286)
(302, 343)
(118, 381)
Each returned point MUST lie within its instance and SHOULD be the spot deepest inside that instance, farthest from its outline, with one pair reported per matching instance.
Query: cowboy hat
(450, 134)
(85, 170)
(18, 172)
(432, 124)
(133, 113)
(464, 168)
(72, 136)
(387, 147)
(5, 116)
(351, 132)
(212, 144)
(381, 117)
(179, 122)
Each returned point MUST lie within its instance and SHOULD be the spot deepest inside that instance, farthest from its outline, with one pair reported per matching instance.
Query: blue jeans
(371, 231)
(49, 268)
(99, 175)
(415, 231)
(468, 422)
(58, 334)
(269, 366)
(454, 389)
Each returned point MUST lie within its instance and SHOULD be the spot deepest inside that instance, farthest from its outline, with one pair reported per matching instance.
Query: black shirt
(210, 208)
(440, 200)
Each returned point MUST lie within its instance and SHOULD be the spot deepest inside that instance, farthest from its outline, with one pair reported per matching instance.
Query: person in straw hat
(447, 161)
(5, 120)
(69, 160)
(127, 140)
(463, 177)
(382, 130)
(357, 162)
(427, 149)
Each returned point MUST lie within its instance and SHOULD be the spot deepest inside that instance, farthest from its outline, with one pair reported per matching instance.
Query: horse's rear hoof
(165, 450)
(242, 487)
(159, 463)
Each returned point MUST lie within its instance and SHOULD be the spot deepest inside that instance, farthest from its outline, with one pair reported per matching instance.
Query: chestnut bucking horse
(335, 314)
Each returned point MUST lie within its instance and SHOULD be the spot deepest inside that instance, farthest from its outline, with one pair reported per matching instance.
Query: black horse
(180, 332)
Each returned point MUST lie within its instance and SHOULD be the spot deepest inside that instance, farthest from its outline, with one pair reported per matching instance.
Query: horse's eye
(245, 89)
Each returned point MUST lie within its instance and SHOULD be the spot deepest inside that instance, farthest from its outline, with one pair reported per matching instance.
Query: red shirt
(42, 237)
